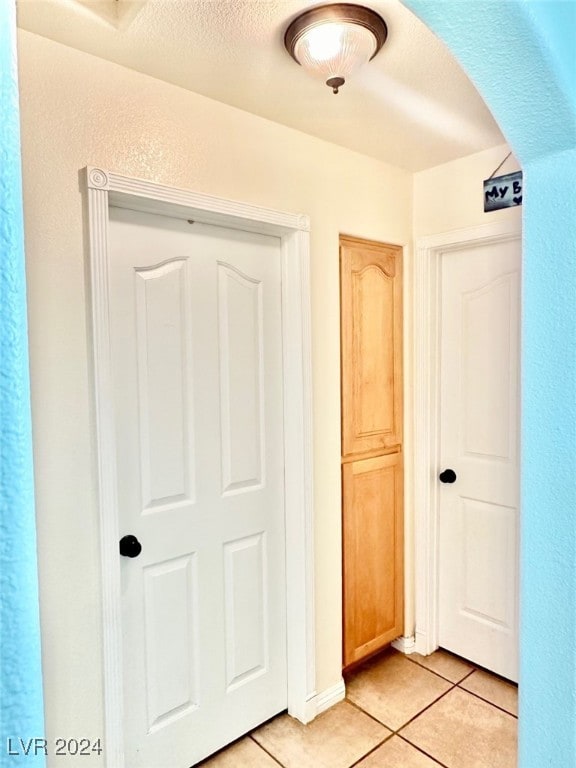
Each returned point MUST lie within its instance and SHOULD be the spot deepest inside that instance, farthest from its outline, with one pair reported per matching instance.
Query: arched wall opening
(519, 56)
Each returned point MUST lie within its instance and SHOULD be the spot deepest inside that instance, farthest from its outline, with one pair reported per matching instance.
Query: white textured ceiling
(412, 106)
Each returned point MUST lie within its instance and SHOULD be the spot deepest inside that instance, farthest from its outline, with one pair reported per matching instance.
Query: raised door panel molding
(245, 579)
(171, 619)
(373, 555)
(240, 328)
(164, 385)
(371, 318)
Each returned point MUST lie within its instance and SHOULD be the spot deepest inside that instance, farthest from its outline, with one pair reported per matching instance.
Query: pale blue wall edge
(21, 700)
(513, 61)
(548, 588)
(520, 56)
(556, 22)
(525, 80)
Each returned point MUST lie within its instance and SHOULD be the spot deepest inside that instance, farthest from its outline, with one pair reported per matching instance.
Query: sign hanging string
(500, 166)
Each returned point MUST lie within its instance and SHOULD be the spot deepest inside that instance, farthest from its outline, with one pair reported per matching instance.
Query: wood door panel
(373, 554)
(371, 322)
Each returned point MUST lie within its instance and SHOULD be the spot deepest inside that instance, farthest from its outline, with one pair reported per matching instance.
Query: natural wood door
(479, 511)
(197, 361)
(371, 327)
(373, 554)
(371, 321)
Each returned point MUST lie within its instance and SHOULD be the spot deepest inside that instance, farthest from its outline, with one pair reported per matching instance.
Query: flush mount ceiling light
(333, 41)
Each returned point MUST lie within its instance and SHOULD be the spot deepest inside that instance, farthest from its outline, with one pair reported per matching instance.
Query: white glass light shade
(334, 49)
(332, 41)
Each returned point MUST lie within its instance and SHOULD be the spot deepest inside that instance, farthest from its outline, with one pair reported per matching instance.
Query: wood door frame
(427, 296)
(104, 189)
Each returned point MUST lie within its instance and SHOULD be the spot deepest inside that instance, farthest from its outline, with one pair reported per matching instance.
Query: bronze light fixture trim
(333, 23)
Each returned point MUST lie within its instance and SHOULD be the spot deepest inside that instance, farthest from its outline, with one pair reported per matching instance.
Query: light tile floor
(400, 712)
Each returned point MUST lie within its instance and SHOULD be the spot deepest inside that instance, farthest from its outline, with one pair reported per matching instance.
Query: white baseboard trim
(405, 645)
(326, 699)
(422, 644)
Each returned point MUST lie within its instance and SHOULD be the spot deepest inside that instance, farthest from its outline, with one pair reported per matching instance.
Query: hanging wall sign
(503, 191)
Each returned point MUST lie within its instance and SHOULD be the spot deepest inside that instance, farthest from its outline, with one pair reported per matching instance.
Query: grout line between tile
(370, 751)
(487, 701)
(365, 712)
(495, 674)
(467, 676)
(397, 731)
(419, 749)
(427, 707)
(267, 752)
(422, 666)
(432, 703)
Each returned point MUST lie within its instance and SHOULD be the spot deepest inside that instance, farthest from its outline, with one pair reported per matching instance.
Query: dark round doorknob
(130, 546)
(448, 476)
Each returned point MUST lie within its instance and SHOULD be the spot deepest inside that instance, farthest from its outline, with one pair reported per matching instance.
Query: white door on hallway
(479, 510)
(195, 321)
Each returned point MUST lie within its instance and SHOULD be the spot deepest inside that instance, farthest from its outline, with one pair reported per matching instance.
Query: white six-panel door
(479, 428)
(197, 377)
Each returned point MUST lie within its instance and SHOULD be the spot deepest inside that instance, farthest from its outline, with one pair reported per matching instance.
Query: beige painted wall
(450, 196)
(78, 110)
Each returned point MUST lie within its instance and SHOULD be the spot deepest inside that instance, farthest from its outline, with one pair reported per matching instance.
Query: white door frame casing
(105, 189)
(427, 288)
